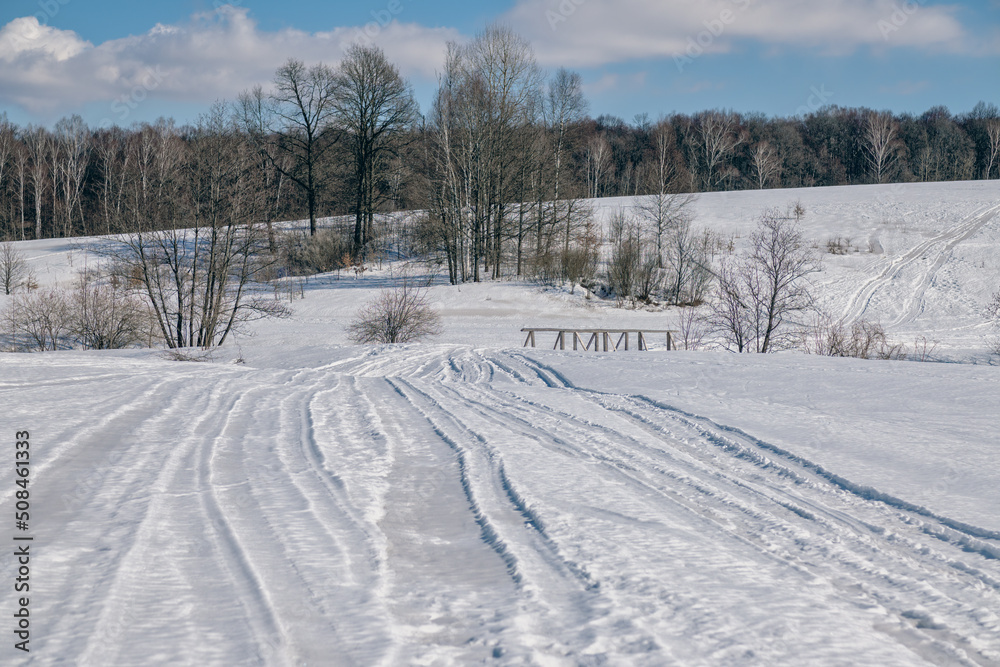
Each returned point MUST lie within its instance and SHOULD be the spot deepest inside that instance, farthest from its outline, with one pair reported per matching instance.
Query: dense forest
(499, 161)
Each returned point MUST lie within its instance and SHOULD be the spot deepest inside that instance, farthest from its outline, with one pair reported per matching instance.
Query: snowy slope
(469, 501)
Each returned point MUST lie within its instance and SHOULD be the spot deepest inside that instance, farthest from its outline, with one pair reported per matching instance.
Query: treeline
(499, 162)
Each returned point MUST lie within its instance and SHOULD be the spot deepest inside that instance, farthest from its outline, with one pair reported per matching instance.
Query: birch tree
(993, 134)
(38, 142)
(880, 149)
(719, 136)
(74, 148)
(766, 163)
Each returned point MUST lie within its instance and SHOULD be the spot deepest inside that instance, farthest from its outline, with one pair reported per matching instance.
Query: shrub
(105, 317)
(398, 315)
(838, 246)
(580, 265)
(95, 316)
(39, 320)
(863, 340)
(305, 255)
(692, 328)
(623, 268)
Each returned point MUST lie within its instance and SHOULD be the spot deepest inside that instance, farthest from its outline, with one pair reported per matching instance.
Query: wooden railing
(598, 336)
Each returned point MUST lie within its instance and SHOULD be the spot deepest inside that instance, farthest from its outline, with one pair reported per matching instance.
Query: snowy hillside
(469, 501)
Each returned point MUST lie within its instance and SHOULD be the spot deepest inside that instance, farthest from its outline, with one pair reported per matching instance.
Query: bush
(624, 267)
(399, 315)
(39, 320)
(545, 268)
(863, 340)
(305, 255)
(838, 246)
(94, 316)
(692, 328)
(580, 265)
(105, 317)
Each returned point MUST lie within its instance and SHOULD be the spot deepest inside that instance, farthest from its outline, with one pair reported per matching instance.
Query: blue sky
(117, 61)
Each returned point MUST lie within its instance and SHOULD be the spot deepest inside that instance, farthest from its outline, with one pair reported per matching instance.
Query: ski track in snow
(929, 256)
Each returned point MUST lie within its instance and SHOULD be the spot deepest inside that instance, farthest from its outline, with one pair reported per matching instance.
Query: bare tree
(21, 160)
(14, 269)
(663, 214)
(113, 159)
(484, 128)
(375, 106)
(880, 145)
(663, 209)
(501, 66)
(293, 126)
(761, 293)
(201, 266)
(766, 164)
(689, 256)
(447, 210)
(633, 272)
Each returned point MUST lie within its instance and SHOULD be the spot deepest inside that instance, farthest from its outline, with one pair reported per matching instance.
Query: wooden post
(530, 338)
(625, 336)
(562, 340)
(670, 342)
(593, 341)
(642, 342)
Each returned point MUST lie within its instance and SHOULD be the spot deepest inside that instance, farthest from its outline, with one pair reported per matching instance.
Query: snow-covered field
(469, 501)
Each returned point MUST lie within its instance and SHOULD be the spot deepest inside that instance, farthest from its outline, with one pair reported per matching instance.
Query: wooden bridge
(597, 336)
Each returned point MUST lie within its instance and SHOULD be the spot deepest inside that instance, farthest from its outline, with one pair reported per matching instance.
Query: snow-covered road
(447, 505)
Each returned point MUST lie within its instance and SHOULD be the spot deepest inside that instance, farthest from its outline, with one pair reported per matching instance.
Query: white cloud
(27, 38)
(597, 32)
(214, 55)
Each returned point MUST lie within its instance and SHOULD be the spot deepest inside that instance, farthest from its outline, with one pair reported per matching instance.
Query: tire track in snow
(575, 606)
(146, 598)
(429, 531)
(70, 444)
(238, 546)
(310, 544)
(116, 493)
(711, 509)
(959, 589)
